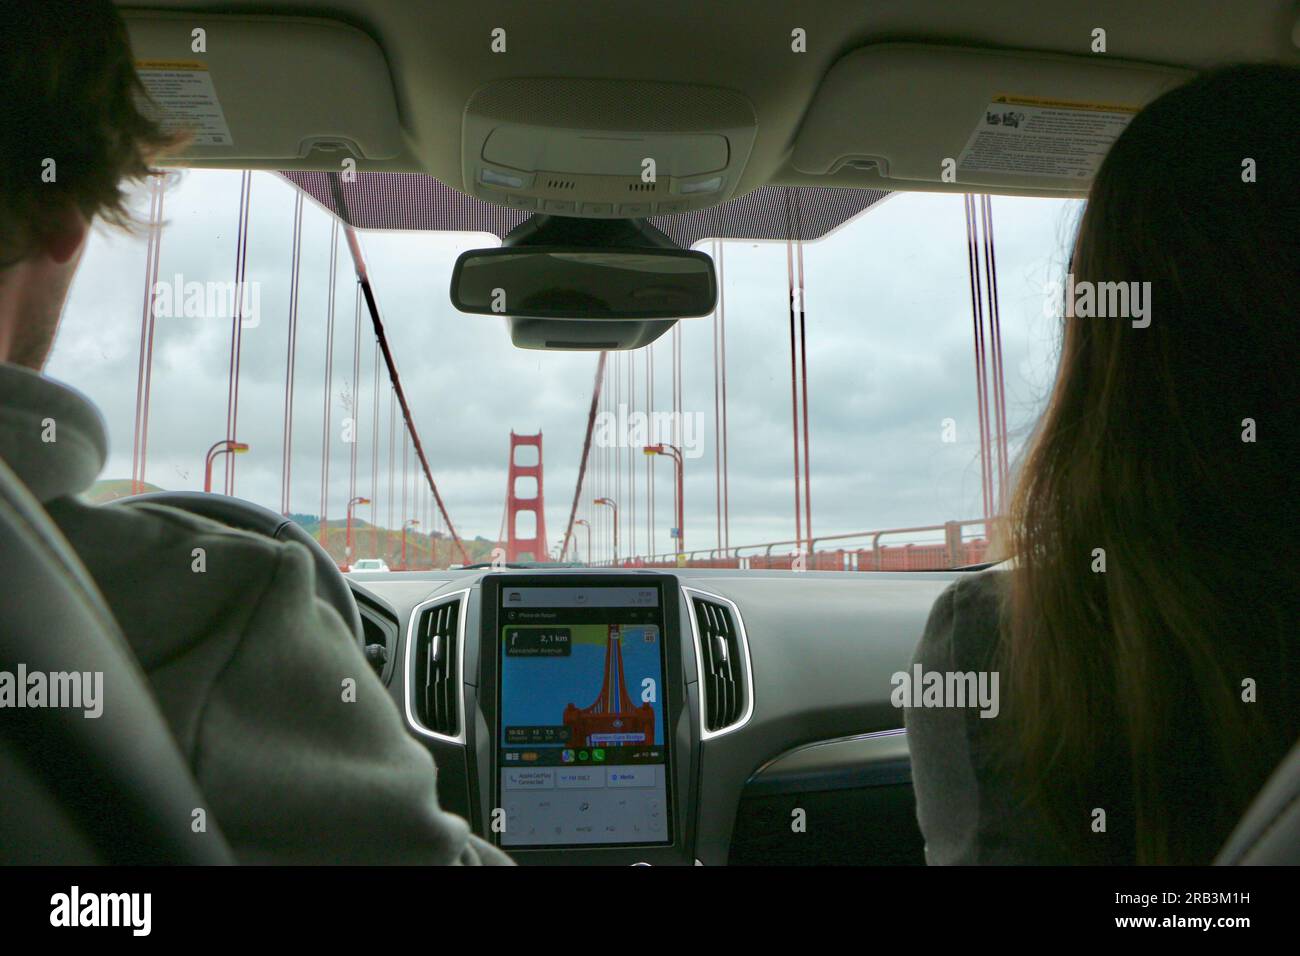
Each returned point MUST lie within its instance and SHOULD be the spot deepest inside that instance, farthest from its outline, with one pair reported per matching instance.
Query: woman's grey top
(966, 805)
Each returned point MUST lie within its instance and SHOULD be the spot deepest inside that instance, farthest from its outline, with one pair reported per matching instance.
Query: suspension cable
(144, 375)
(329, 383)
(236, 325)
(794, 368)
(981, 380)
(372, 306)
(290, 358)
(803, 371)
(586, 449)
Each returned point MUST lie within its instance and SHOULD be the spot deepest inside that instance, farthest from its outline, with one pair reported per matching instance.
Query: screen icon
(598, 754)
(566, 756)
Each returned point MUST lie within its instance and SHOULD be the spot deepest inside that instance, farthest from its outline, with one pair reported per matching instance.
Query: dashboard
(605, 716)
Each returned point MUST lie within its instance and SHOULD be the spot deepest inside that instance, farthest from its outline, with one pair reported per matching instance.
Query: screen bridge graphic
(558, 668)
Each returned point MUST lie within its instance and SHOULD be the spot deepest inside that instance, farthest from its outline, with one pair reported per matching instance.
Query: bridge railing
(953, 551)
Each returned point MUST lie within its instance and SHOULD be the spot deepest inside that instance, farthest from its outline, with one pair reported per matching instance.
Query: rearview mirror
(550, 282)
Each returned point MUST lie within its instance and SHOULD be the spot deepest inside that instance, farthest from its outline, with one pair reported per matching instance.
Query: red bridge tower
(516, 547)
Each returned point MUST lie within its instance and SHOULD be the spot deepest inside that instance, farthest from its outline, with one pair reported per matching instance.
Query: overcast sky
(889, 358)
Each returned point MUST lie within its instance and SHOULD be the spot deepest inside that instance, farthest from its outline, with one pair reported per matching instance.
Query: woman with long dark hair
(1144, 628)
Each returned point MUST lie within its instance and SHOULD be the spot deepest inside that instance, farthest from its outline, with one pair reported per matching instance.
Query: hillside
(371, 541)
(422, 550)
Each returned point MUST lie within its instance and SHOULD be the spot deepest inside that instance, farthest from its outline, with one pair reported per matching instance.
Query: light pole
(410, 523)
(611, 503)
(675, 453)
(347, 558)
(587, 525)
(226, 446)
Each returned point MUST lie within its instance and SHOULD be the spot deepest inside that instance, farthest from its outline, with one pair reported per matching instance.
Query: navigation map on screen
(582, 757)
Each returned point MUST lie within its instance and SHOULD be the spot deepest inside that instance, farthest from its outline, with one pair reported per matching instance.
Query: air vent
(642, 187)
(433, 662)
(726, 689)
(559, 184)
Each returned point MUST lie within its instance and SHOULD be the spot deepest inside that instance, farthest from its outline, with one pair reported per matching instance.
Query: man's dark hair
(71, 96)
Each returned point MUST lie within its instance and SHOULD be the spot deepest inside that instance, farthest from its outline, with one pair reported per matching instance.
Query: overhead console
(605, 148)
(995, 118)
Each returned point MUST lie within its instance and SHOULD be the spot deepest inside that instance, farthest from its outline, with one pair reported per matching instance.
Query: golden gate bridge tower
(611, 720)
(517, 547)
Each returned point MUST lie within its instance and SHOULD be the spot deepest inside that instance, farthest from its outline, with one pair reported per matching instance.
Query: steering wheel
(331, 586)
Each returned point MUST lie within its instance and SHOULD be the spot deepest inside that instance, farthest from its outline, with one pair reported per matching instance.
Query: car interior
(599, 146)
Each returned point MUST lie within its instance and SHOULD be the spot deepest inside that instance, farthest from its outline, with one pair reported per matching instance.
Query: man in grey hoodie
(247, 663)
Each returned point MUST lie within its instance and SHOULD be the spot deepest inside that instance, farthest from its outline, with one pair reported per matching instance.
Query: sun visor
(924, 113)
(605, 148)
(279, 91)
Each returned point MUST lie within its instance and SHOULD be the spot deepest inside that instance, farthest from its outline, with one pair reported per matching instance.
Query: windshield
(845, 406)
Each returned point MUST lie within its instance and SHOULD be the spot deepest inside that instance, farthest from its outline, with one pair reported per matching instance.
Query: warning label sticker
(1032, 136)
(184, 95)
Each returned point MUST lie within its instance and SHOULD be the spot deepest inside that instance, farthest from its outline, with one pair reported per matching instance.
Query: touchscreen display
(582, 753)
